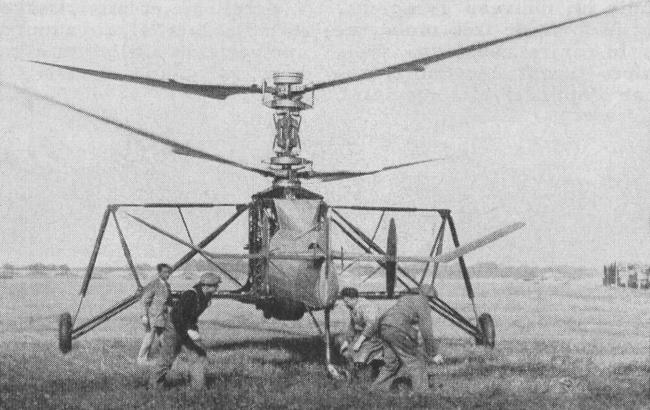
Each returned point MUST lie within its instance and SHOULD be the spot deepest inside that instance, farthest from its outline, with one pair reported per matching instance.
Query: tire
(486, 326)
(65, 332)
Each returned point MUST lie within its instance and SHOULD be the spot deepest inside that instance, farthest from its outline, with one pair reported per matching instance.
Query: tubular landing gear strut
(482, 329)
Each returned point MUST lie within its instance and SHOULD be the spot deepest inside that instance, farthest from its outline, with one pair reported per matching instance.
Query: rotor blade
(478, 243)
(329, 176)
(177, 148)
(419, 64)
(218, 92)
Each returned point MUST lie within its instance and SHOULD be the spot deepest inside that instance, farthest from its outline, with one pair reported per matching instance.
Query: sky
(550, 129)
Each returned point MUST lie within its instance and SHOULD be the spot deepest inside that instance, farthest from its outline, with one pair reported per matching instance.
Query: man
(398, 329)
(360, 346)
(156, 301)
(181, 330)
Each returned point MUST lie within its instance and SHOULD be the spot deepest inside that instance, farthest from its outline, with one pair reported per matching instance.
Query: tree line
(191, 266)
(37, 267)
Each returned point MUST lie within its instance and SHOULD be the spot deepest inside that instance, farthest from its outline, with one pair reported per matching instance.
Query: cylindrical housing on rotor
(287, 78)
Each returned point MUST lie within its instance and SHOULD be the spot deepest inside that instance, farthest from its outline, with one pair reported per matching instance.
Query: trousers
(147, 343)
(402, 358)
(171, 345)
(371, 349)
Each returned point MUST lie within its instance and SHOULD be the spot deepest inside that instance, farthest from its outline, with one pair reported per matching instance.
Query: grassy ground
(559, 346)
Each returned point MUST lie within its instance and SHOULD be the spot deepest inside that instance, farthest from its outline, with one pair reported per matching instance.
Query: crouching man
(398, 329)
(360, 344)
(181, 330)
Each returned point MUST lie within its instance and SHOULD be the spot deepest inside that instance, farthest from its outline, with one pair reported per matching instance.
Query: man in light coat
(156, 301)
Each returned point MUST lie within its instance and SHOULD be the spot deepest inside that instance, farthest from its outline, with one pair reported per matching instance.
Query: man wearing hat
(181, 330)
(398, 329)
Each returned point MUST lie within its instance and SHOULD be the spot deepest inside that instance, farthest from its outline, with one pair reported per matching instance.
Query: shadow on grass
(538, 370)
(242, 326)
(490, 369)
(309, 349)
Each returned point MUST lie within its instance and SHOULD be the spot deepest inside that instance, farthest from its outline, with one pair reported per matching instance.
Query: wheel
(65, 332)
(486, 326)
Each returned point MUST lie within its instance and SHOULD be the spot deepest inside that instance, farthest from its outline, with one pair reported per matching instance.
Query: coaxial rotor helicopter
(290, 252)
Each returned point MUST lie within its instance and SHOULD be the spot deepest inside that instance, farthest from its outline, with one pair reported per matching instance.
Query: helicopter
(290, 255)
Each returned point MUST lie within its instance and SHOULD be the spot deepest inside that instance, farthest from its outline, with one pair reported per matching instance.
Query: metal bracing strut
(436, 304)
(127, 252)
(463, 267)
(131, 300)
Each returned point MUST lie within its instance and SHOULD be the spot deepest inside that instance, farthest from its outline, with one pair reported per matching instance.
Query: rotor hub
(287, 160)
(287, 78)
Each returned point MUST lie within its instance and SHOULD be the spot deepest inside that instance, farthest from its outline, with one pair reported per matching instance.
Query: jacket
(363, 319)
(411, 311)
(156, 301)
(187, 309)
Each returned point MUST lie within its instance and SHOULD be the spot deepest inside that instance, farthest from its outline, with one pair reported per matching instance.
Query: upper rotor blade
(329, 176)
(176, 147)
(419, 64)
(218, 92)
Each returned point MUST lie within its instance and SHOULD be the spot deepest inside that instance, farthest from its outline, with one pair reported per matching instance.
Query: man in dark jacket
(181, 330)
(398, 329)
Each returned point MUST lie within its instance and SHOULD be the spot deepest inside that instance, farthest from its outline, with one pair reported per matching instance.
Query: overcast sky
(550, 129)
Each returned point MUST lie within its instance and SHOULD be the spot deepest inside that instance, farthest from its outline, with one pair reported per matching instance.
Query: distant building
(609, 274)
(622, 275)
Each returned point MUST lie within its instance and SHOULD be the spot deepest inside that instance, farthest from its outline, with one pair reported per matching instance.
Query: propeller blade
(478, 243)
(329, 176)
(177, 148)
(218, 92)
(419, 64)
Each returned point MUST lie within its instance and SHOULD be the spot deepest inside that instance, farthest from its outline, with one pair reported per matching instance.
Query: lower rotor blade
(329, 176)
(177, 148)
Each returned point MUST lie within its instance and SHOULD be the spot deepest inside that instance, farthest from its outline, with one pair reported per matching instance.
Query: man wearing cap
(359, 345)
(156, 300)
(398, 329)
(181, 330)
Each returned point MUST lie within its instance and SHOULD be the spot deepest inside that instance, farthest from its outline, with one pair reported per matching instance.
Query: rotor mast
(285, 96)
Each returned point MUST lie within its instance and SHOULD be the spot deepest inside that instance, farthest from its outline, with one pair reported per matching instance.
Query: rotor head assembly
(287, 92)
(288, 96)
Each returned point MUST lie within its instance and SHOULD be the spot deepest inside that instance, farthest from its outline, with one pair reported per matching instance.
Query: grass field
(559, 345)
